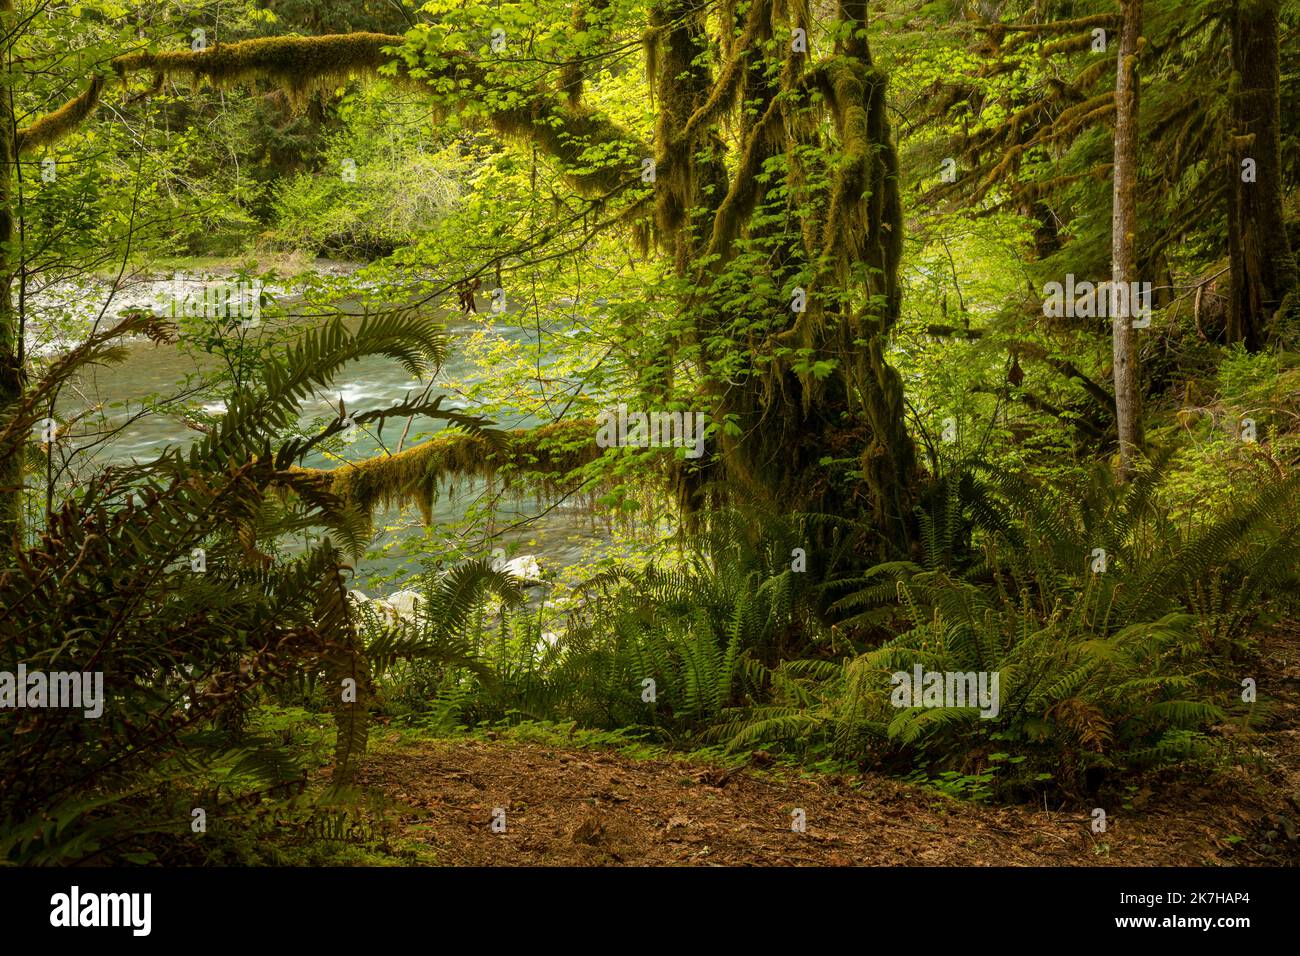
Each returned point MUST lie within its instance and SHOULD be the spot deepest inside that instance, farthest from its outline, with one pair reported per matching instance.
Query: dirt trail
(590, 807)
(580, 808)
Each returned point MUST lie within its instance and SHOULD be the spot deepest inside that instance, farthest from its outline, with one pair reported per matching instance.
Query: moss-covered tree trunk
(874, 233)
(842, 244)
(1263, 267)
(11, 362)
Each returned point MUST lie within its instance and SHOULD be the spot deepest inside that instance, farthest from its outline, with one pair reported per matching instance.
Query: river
(561, 534)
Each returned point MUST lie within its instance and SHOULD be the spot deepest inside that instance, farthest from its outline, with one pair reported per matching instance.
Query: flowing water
(560, 534)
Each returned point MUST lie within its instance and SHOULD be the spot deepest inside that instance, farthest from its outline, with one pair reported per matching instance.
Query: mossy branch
(295, 63)
(300, 65)
(1101, 396)
(737, 205)
(727, 86)
(1028, 32)
(54, 126)
(540, 457)
(1065, 126)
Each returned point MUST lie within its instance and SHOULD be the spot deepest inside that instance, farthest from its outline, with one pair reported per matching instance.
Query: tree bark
(1262, 265)
(1124, 237)
(11, 346)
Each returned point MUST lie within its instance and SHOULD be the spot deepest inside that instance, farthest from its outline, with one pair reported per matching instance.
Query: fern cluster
(668, 648)
(1130, 665)
(165, 576)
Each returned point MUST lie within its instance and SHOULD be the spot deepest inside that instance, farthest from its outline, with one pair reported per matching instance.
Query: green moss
(302, 65)
(53, 126)
(298, 65)
(539, 457)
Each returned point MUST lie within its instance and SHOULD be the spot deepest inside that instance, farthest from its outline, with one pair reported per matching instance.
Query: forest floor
(570, 805)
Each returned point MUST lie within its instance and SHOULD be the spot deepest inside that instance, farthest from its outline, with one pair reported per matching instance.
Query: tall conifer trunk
(1263, 266)
(11, 349)
(1124, 236)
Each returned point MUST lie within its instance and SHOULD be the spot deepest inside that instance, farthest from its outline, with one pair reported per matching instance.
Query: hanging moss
(743, 195)
(53, 126)
(842, 236)
(572, 74)
(727, 84)
(538, 458)
(302, 65)
(298, 65)
(857, 238)
(848, 239)
(690, 176)
(572, 136)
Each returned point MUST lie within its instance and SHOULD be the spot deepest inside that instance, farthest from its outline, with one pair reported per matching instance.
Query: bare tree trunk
(1124, 236)
(1263, 267)
(11, 372)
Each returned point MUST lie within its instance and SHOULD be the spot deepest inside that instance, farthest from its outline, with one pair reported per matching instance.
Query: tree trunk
(1263, 267)
(1124, 237)
(11, 360)
(858, 411)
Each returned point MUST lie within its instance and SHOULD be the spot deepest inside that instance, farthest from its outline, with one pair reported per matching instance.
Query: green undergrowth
(630, 743)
